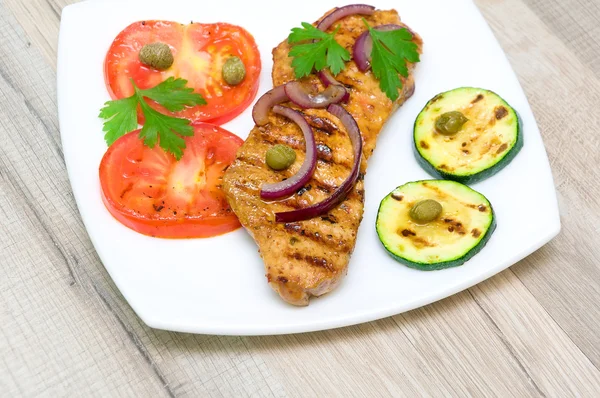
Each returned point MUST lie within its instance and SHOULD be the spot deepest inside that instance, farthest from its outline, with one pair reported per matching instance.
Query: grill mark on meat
(324, 152)
(292, 202)
(314, 261)
(324, 188)
(330, 218)
(291, 141)
(347, 166)
(317, 237)
(323, 124)
(251, 161)
(245, 189)
(304, 189)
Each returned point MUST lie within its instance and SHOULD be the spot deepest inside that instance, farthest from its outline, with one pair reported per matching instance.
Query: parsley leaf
(391, 50)
(321, 50)
(306, 32)
(167, 128)
(120, 116)
(174, 95)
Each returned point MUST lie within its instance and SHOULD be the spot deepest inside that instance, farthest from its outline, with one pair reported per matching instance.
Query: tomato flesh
(151, 192)
(199, 52)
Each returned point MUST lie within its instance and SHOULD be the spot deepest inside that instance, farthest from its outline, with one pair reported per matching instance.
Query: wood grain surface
(533, 330)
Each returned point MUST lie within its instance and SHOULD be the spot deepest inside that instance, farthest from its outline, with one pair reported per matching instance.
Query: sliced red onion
(328, 80)
(363, 46)
(287, 187)
(362, 9)
(260, 112)
(361, 52)
(298, 94)
(340, 193)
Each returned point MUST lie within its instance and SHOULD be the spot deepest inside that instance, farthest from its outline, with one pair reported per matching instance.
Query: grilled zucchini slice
(464, 226)
(487, 142)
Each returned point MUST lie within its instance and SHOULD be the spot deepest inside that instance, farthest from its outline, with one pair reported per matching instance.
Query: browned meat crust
(311, 257)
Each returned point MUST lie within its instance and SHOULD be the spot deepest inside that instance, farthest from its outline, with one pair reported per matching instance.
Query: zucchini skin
(444, 264)
(475, 177)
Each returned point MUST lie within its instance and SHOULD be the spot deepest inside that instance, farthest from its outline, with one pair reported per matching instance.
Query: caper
(233, 71)
(425, 211)
(157, 55)
(280, 157)
(450, 123)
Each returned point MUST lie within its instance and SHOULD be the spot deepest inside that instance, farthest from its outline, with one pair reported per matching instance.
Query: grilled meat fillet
(311, 257)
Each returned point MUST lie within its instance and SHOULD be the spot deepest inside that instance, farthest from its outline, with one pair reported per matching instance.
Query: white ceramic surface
(217, 285)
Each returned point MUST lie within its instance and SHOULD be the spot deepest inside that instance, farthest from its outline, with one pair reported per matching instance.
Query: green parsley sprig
(120, 116)
(391, 50)
(317, 50)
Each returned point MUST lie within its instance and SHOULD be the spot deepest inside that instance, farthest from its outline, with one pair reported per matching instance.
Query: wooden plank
(575, 23)
(41, 20)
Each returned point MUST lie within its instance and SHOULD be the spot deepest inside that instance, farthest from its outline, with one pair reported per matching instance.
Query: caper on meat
(425, 211)
(157, 55)
(280, 157)
(450, 123)
(233, 71)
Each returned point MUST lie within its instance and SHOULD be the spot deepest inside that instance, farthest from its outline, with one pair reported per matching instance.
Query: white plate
(217, 285)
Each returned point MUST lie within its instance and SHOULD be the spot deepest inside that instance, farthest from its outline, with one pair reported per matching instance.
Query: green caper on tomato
(157, 55)
(233, 71)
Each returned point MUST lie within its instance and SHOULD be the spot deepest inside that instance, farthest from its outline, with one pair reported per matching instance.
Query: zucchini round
(464, 226)
(485, 144)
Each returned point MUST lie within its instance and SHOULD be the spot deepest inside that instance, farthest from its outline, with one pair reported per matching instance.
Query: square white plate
(217, 285)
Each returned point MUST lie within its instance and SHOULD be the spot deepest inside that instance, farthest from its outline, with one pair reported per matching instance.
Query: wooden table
(533, 330)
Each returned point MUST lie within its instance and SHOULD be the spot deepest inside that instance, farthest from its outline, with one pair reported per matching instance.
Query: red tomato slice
(150, 192)
(199, 52)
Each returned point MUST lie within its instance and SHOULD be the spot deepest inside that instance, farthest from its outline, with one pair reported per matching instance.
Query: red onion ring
(287, 187)
(260, 112)
(339, 13)
(361, 52)
(298, 94)
(340, 193)
(328, 80)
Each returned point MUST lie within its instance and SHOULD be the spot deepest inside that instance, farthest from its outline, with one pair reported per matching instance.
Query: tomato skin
(199, 52)
(149, 191)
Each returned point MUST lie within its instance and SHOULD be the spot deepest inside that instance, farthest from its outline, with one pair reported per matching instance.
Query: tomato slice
(150, 192)
(199, 52)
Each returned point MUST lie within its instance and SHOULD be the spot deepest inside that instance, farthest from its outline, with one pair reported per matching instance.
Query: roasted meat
(311, 257)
